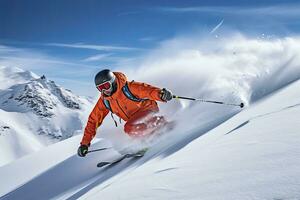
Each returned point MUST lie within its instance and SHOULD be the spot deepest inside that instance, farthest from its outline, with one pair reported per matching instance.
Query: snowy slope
(215, 151)
(37, 112)
(253, 155)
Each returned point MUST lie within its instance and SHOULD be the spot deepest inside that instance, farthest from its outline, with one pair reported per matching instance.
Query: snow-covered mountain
(35, 112)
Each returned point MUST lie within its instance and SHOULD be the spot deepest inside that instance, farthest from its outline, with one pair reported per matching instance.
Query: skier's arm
(95, 120)
(143, 90)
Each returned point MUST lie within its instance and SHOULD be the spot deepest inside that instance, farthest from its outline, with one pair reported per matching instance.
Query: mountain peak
(39, 95)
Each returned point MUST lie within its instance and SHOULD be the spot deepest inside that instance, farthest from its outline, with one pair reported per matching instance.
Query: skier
(134, 102)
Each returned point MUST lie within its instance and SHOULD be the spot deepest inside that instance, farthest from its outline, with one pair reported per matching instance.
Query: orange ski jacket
(121, 105)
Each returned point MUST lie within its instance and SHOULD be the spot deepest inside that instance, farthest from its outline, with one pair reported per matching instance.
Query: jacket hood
(121, 79)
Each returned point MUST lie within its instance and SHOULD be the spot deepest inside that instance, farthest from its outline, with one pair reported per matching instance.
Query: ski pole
(208, 101)
(101, 149)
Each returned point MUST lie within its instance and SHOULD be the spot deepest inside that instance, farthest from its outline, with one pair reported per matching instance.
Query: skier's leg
(144, 123)
(136, 125)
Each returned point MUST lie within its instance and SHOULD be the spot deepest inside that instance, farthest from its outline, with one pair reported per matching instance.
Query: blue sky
(70, 40)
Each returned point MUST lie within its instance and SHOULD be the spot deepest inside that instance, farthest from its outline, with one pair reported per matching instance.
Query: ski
(138, 154)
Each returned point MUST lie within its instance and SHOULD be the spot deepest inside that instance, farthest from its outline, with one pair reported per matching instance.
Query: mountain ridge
(44, 111)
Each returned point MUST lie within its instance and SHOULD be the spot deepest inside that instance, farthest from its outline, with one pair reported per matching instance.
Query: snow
(215, 151)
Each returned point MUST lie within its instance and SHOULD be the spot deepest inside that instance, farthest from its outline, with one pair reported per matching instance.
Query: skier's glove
(166, 95)
(82, 150)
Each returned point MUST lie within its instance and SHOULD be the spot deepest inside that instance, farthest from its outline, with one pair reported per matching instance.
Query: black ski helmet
(104, 76)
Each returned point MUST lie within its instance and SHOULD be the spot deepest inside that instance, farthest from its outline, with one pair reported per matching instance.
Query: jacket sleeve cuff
(156, 95)
(87, 143)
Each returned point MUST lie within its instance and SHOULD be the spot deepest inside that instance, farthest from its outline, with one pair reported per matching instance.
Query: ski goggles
(107, 85)
(104, 86)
